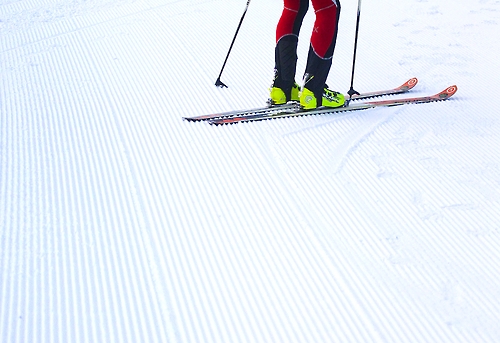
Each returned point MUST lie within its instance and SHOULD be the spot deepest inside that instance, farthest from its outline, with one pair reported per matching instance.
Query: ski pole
(218, 82)
(351, 91)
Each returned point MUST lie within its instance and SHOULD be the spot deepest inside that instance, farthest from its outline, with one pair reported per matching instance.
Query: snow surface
(120, 222)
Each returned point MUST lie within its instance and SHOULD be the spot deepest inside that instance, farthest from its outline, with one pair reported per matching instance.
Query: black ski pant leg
(323, 41)
(287, 35)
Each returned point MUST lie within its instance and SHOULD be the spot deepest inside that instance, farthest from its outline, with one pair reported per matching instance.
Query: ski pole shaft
(218, 82)
(351, 91)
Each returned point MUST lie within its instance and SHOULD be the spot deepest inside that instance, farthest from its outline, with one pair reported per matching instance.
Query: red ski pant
(325, 27)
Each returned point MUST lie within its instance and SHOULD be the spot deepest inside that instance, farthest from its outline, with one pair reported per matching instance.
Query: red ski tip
(448, 92)
(409, 84)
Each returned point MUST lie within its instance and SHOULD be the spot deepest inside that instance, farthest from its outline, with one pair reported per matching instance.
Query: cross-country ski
(405, 87)
(297, 111)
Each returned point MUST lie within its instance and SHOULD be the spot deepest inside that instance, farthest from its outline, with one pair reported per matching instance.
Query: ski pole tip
(220, 84)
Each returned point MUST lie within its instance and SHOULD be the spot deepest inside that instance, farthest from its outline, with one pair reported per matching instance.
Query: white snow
(120, 222)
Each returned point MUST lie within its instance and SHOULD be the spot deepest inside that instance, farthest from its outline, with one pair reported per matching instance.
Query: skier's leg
(287, 35)
(323, 40)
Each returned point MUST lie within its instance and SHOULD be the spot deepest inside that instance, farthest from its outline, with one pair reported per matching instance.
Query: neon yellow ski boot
(330, 98)
(278, 96)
